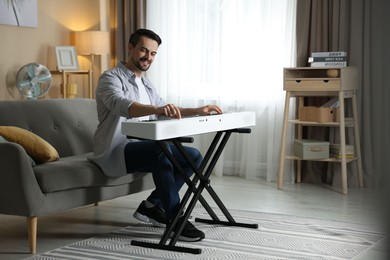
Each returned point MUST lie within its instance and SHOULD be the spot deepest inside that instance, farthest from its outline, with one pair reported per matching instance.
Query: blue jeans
(148, 156)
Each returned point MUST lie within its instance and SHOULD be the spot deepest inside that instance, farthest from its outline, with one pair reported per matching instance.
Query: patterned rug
(278, 237)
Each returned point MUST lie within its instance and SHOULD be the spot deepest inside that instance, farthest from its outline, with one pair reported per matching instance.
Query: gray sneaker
(154, 215)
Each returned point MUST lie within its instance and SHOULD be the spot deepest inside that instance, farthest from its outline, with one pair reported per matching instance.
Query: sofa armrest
(20, 193)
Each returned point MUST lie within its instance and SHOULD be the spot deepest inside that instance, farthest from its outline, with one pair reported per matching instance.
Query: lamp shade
(92, 42)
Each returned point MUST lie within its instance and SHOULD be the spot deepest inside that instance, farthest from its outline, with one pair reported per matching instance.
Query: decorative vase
(71, 90)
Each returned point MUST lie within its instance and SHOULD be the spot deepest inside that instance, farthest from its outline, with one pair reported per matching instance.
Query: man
(124, 93)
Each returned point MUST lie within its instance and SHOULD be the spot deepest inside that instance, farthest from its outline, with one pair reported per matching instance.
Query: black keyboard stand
(199, 182)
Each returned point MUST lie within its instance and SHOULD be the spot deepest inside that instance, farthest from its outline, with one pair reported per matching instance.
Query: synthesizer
(187, 126)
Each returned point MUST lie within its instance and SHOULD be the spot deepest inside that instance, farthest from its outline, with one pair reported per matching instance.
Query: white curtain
(231, 53)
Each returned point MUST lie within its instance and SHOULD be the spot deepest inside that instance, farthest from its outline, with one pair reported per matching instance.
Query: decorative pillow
(40, 150)
(32, 162)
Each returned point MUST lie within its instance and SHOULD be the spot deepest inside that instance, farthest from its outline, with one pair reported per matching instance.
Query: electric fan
(33, 80)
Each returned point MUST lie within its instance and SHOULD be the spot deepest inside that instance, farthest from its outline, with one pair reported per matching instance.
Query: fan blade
(44, 77)
(24, 84)
(36, 90)
(31, 71)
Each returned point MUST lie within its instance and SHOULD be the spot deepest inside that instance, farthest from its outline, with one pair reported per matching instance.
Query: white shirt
(143, 96)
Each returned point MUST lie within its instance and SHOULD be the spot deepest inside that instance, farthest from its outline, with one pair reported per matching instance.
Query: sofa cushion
(76, 172)
(40, 150)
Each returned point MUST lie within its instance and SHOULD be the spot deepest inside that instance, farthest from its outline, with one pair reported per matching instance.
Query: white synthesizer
(172, 128)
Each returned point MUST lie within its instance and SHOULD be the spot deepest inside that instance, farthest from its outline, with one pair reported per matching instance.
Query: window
(230, 52)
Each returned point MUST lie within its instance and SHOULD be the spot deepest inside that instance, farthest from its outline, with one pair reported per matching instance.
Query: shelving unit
(65, 78)
(303, 82)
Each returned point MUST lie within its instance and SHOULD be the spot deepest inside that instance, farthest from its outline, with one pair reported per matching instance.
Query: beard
(143, 64)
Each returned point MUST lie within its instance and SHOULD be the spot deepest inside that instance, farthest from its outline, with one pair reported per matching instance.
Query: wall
(56, 21)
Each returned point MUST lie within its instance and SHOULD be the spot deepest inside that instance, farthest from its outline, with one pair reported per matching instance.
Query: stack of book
(333, 59)
(335, 151)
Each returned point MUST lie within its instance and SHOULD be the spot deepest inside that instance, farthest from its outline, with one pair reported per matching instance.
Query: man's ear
(130, 48)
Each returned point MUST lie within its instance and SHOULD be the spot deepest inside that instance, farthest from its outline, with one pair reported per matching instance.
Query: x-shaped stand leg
(201, 178)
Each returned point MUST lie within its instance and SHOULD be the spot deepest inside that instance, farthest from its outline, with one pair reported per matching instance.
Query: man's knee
(197, 156)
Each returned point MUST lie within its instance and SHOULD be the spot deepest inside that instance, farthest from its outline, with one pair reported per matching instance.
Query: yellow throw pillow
(40, 150)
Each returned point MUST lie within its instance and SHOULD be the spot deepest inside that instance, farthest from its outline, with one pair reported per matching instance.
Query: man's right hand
(169, 110)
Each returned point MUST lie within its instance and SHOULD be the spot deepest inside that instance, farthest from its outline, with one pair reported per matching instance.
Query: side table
(342, 82)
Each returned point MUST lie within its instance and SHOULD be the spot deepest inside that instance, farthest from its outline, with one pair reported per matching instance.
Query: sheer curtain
(230, 53)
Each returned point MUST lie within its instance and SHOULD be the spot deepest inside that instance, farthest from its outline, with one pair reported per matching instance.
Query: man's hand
(173, 111)
(210, 110)
(169, 110)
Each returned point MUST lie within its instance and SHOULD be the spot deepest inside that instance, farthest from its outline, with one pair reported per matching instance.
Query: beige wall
(57, 19)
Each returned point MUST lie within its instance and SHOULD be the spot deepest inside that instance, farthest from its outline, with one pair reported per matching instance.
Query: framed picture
(66, 58)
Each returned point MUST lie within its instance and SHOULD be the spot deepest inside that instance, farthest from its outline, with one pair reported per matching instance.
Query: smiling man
(124, 93)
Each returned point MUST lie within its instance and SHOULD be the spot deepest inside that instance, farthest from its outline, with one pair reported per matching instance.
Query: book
(329, 54)
(327, 59)
(335, 151)
(338, 156)
(333, 64)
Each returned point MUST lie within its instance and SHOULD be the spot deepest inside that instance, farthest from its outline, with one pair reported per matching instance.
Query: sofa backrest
(67, 124)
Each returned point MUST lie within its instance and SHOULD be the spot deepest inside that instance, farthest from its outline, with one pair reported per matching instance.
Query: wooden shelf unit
(65, 79)
(303, 82)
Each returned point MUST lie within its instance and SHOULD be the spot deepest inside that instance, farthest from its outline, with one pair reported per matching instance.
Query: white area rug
(278, 237)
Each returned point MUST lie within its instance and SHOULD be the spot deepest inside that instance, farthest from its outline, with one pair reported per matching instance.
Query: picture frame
(66, 58)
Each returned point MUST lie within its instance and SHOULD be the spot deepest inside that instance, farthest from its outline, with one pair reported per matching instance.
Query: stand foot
(226, 223)
(167, 247)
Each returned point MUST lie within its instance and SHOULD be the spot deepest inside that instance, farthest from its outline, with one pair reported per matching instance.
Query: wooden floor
(317, 201)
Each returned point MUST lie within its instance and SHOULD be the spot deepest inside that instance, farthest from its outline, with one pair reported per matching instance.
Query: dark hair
(134, 37)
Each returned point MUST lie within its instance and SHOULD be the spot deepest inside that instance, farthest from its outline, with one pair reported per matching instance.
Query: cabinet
(65, 79)
(342, 83)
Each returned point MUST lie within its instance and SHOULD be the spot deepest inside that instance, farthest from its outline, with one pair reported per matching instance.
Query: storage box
(311, 149)
(317, 114)
(336, 114)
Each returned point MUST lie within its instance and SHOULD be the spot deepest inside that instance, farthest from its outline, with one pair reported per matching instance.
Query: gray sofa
(70, 182)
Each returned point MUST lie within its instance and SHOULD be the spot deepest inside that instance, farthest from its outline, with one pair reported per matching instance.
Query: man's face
(142, 55)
